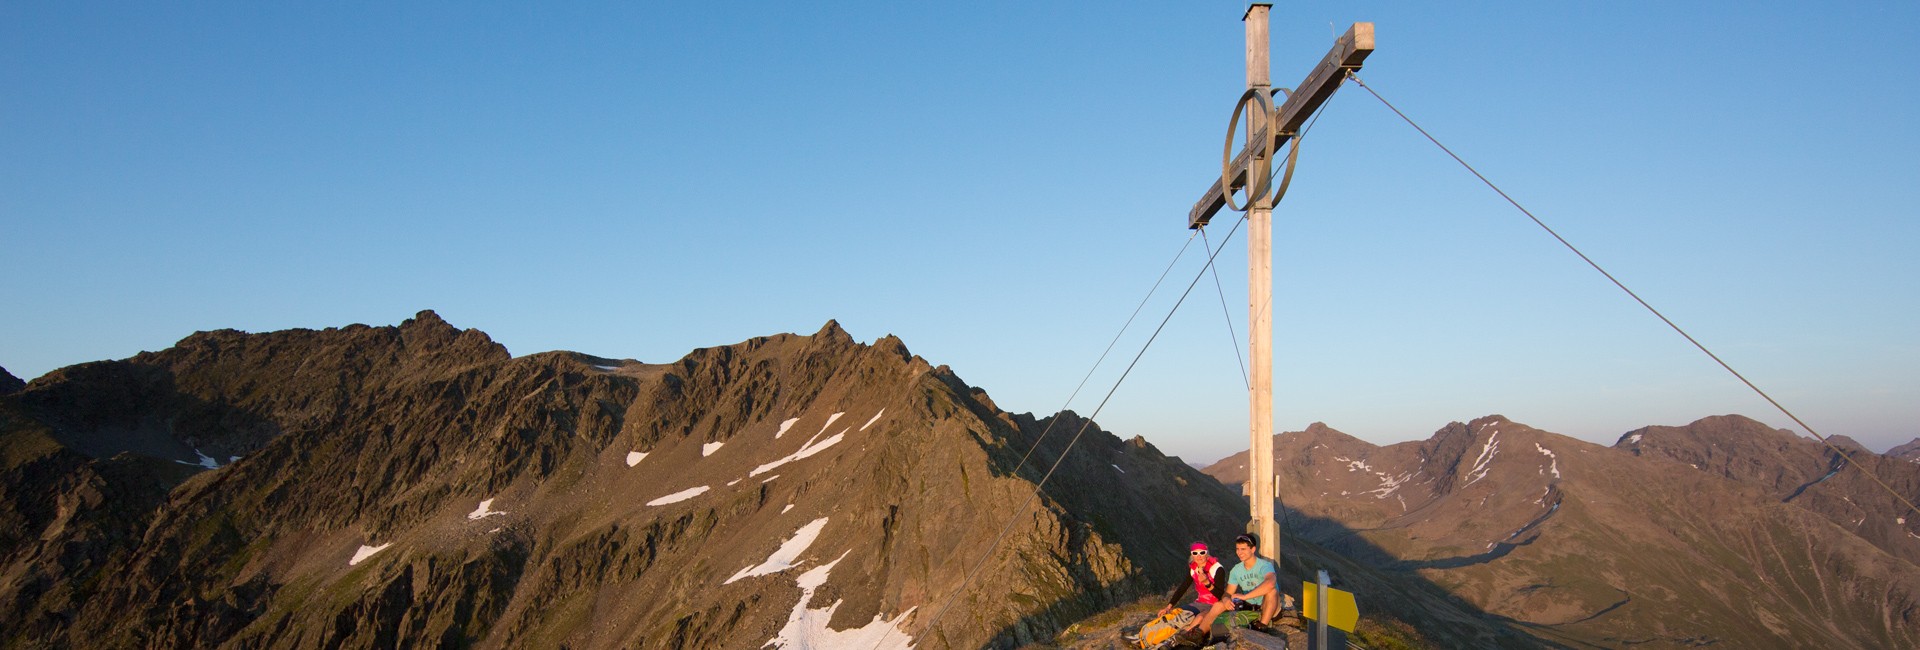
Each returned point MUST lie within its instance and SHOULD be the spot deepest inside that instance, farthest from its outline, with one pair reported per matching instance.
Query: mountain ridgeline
(418, 486)
(1722, 533)
(410, 486)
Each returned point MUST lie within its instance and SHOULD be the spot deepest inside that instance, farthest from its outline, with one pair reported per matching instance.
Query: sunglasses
(1197, 553)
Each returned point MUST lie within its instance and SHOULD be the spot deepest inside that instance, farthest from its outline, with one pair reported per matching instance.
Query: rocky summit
(1721, 533)
(417, 485)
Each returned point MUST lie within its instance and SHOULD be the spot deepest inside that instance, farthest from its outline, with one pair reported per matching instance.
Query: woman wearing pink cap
(1209, 581)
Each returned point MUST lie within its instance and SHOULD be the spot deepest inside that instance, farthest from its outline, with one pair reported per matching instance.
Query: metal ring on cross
(1293, 154)
(1260, 164)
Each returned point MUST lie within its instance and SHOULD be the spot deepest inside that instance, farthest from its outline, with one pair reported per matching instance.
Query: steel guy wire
(1266, 302)
(1103, 356)
(1039, 488)
(1636, 297)
(1232, 336)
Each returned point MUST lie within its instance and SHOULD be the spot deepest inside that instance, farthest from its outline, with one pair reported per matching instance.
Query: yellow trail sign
(1342, 613)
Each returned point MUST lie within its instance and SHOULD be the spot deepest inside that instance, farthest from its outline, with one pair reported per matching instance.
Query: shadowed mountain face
(416, 485)
(10, 384)
(1677, 537)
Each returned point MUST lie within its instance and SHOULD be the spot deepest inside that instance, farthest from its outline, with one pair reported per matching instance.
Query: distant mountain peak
(10, 384)
(1713, 430)
(1907, 452)
(1320, 433)
(832, 331)
(892, 345)
(1484, 421)
(1736, 423)
(425, 318)
(1850, 445)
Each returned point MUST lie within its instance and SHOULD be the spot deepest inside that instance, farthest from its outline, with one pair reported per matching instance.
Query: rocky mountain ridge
(417, 485)
(1800, 471)
(1909, 451)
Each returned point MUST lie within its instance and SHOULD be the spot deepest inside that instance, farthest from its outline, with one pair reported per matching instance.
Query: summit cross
(1267, 129)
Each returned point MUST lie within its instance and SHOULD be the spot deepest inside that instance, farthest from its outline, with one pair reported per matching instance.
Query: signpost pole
(1320, 615)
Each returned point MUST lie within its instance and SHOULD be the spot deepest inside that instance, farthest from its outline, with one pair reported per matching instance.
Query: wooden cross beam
(1347, 54)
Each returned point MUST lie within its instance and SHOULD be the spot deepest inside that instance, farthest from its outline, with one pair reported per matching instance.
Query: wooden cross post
(1267, 133)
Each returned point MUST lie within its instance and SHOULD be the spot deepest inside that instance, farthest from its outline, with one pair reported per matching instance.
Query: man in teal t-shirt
(1251, 585)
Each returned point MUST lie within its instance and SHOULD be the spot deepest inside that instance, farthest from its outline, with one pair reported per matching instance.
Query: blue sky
(998, 184)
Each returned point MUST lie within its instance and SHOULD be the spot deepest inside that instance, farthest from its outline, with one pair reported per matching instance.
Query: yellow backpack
(1160, 632)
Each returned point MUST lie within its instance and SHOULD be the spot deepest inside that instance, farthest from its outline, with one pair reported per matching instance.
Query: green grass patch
(1391, 635)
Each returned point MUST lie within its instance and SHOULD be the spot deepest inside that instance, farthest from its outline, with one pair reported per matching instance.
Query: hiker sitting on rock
(1250, 585)
(1209, 581)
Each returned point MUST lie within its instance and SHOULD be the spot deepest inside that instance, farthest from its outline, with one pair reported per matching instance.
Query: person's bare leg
(1213, 612)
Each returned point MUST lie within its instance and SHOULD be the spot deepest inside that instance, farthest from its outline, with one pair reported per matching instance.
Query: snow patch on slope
(787, 555)
(367, 552)
(1549, 454)
(484, 511)
(205, 460)
(807, 628)
(784, 426)
(1483, 463)
(830, 419)
(876, 418)
(709, 448)
(633, 457)
(1388, 484)
(806, 450)
(678, 496)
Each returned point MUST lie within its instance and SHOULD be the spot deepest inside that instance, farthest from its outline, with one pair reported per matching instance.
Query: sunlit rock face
(416, 484)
